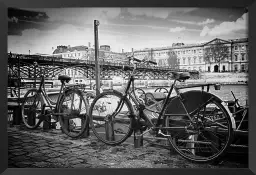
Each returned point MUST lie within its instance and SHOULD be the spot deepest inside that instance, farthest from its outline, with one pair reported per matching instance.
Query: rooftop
(190, 45)
(63, 49)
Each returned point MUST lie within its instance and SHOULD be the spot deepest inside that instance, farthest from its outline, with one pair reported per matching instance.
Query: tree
(216, 53)
(149, 56)
(172, 60)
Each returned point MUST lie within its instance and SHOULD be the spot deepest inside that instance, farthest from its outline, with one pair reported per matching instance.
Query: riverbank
(224, 78)
(221, 78)
(204, 77)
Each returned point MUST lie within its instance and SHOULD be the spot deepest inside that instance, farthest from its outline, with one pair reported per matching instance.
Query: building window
(242, 68)
(184, 52)
(194, 51)
(243, 47)
(235, 68)
(236, 57)
(235, 47)
(242, 58)
(188, 61)
(184, 60)
(194, 59)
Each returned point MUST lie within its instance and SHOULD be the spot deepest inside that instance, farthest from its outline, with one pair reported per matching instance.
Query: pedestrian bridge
(20, 65)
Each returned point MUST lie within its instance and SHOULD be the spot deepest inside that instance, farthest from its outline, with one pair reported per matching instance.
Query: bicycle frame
(141, 107)
(46, 98)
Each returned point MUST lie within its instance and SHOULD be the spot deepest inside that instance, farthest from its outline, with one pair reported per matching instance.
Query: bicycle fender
(191, 100)
(230, 115)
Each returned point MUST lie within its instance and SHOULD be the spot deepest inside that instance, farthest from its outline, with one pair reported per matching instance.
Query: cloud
(150, 12)
(184, 22)
(204, 31)
(137, 25)
(19, 20)
(177, 29)
(81, 14)
(42, 41)
(241, 24)
(208, 21)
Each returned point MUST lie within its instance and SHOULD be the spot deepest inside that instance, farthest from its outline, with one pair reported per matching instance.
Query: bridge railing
(81, 62)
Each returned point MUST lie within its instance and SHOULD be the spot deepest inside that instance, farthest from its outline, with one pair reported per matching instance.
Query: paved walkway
(52, 149)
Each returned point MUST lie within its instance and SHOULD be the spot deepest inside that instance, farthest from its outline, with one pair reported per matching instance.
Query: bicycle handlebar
(152, 62)
(138, 60)
(133, 58)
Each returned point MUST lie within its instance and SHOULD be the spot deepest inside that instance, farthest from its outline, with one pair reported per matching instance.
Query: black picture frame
(4, 4)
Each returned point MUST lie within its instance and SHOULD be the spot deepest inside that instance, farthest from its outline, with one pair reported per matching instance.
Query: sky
(123, 28)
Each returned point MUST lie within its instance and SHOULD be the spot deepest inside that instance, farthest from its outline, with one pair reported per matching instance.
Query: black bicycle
(197, 124)
(70, 109)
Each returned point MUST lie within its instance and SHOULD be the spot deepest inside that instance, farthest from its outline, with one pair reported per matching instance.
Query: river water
(240, 92)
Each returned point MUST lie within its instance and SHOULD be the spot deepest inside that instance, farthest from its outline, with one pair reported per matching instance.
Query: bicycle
(240, 114)
(70, 109)
(197, 124)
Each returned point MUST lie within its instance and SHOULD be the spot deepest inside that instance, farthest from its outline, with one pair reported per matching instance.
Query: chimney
(89, 44)
(68, 46)
(132, 49)
(122, 50)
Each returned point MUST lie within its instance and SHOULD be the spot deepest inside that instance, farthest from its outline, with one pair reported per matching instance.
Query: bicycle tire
(29, 112)
(100, 125)
(76, 120)
(185, 143)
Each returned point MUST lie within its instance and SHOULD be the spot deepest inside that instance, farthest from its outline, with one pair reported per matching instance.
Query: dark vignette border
(116, 3)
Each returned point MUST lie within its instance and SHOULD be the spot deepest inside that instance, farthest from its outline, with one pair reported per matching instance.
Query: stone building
(191, 56)
(187, 56)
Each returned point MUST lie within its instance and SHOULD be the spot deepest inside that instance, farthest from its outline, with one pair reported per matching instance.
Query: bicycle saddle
(181, 76)
(64, 78)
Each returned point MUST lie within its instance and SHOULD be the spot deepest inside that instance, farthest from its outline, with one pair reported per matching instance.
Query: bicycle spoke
(73, 117)
(211, 134)
(110, 122)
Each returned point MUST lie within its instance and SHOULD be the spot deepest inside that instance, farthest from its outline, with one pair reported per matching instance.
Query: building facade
(192, 57)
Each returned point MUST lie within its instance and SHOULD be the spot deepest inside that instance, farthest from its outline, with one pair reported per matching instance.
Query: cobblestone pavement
(52, 149)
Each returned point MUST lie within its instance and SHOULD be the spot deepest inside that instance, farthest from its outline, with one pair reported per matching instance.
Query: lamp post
(97, 67)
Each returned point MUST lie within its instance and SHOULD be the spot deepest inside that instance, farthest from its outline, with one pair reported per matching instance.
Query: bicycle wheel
(110, 121)
(73, 108)
(207, 138)
(31, 109)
